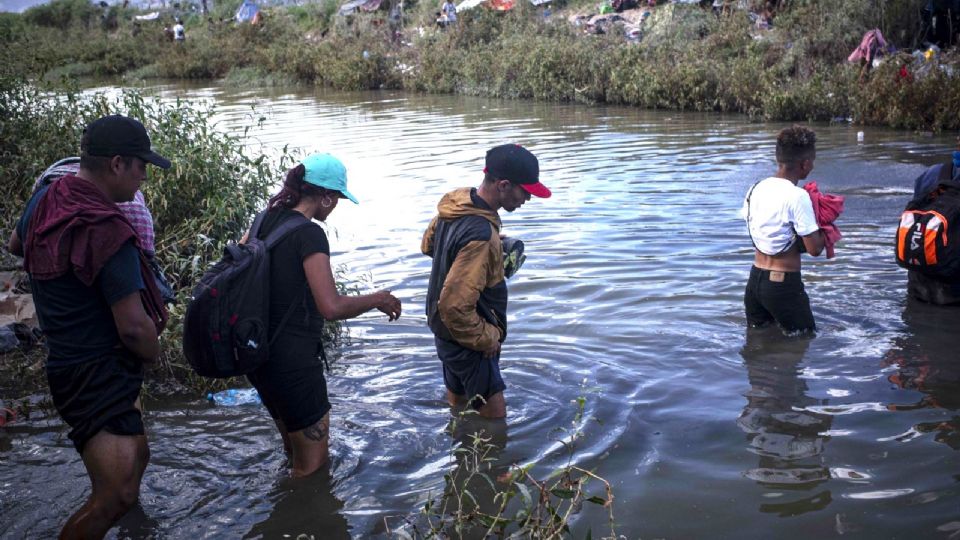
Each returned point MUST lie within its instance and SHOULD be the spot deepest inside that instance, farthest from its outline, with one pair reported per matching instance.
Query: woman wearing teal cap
(292, 384)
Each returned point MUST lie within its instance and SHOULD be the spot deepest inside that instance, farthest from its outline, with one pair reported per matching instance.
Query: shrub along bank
(688, 59)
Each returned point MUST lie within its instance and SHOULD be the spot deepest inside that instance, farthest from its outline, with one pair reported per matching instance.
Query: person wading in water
(100, 309)
(781, 222)
(467, 294)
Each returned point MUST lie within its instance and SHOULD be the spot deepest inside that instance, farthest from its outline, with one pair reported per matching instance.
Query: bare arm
(14, 245)
(137, 331)
(336, 307)
(813, 242)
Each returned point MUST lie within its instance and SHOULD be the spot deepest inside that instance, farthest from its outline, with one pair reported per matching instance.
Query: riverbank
(687, 59)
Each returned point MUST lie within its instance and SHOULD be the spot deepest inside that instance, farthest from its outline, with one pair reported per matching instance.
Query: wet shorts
(98, 394)
(467, 373)
(291, 384)
(777, 296)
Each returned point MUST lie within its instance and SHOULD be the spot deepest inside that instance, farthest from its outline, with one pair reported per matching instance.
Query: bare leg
(282, 428)
(310, 447)
(455, 400)
(495, 407)
(115, 464)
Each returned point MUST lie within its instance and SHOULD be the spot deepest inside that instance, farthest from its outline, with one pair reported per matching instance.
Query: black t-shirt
(77, 319)
(287, 280)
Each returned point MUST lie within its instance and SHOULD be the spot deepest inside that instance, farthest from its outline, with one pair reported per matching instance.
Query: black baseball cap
(517, 164)
(118, 135)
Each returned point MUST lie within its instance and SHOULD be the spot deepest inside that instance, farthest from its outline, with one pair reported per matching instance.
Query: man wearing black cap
(99, 309)
(467, 295)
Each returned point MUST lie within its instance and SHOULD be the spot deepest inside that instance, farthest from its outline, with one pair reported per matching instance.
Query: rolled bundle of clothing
(513, 256)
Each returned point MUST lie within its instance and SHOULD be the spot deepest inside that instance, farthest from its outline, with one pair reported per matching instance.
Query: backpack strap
(288, 226)
(750, 233)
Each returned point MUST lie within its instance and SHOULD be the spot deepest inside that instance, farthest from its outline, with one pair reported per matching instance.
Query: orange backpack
(928, 238)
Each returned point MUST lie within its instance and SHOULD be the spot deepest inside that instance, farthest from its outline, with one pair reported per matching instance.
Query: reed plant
(482, 498)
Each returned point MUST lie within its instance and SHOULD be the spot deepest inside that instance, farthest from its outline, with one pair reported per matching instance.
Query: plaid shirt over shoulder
(135, 210)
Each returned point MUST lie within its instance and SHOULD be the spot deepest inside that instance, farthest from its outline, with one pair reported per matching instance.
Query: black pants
(781, 299)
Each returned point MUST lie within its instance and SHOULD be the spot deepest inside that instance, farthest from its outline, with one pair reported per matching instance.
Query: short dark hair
(795, 144)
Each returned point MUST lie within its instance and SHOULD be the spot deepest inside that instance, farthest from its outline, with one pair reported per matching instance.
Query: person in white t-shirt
(179, 32)
(782, 224)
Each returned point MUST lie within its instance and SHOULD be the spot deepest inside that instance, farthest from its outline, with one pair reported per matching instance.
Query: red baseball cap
(517, 164)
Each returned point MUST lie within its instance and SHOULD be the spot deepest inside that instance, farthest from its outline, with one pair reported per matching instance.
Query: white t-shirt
(779, 211)
(179, 32)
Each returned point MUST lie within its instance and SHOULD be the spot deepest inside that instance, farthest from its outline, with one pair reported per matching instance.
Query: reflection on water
(925, 360)
(303, 506)
(633, 287)
(788, 439)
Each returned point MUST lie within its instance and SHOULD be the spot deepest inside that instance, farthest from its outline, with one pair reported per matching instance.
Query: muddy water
(631, 296)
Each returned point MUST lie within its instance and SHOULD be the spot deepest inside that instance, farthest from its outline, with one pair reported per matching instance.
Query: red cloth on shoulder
(827, 208)
(76, 228)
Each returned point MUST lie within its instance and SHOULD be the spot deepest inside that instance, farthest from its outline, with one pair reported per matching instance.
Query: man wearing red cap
(467, 295)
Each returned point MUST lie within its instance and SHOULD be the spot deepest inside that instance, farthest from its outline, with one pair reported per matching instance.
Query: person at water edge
(292, 384)
(920, 286)
(449, 11)
(100, 310)
(467, 294)
(781, 223)
(179, 32)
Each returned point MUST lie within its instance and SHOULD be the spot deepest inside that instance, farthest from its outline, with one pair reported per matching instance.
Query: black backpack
(225, 331)
(928, 237)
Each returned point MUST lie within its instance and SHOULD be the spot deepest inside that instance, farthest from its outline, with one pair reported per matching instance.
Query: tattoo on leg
(316, 432)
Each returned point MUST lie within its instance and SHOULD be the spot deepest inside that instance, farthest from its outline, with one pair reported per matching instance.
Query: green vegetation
(688, 59)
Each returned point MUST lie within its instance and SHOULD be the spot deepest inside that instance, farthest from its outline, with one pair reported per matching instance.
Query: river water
(631, 297)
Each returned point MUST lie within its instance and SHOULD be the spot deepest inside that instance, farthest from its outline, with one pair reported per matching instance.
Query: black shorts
(291, 384)
(785, 302)
(98, 394)
(467, 373)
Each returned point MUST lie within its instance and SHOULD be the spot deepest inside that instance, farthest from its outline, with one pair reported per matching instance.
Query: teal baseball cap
(326, 171)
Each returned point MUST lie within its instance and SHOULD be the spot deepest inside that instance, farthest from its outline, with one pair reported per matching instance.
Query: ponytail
(295, 188)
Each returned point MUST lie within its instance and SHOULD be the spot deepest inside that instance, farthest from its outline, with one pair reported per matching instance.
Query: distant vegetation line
(688, 59)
